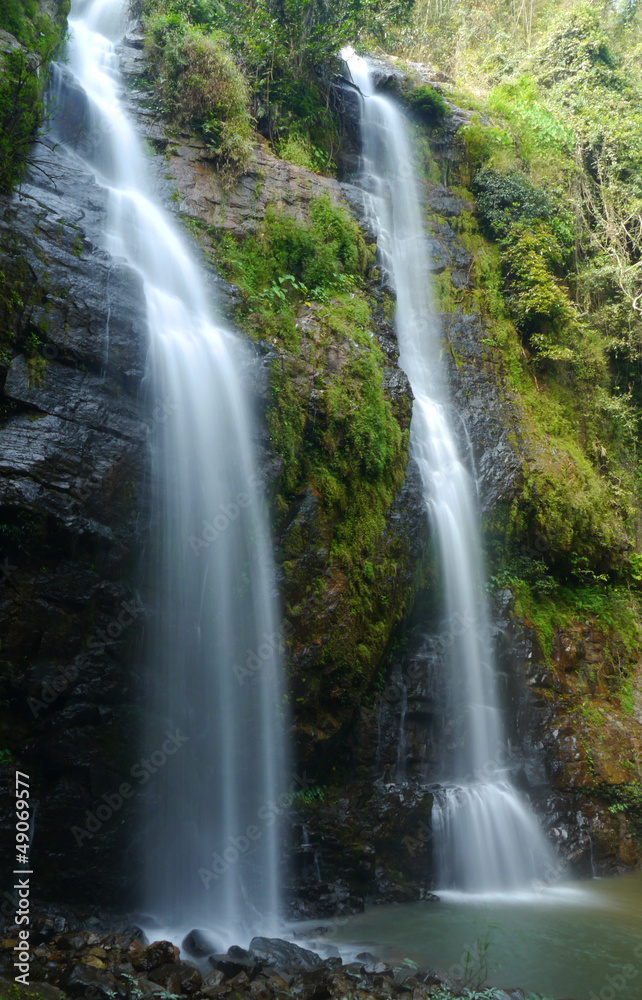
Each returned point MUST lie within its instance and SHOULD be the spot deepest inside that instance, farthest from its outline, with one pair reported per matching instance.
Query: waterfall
(214, 757)
(486, 838)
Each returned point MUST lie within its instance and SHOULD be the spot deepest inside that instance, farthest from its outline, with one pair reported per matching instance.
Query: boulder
(84, 981)
(199, 944)
(279, 954)
(185, 975)
(156, 954)
(231, 967)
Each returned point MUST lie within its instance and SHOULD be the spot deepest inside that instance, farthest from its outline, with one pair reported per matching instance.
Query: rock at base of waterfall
(279, 954)
(199, 944)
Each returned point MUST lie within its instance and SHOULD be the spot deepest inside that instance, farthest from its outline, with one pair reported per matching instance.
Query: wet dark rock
(133, 932)
(71, 942)
(373, 965)
(354, 969)
(214, 978)
(373, 842)
(184, 975)
(199, 944)
(83, 981)
(279, 954)
(312, 985)
(233, 965)
(346, 100)
(259, 990)
(73, 443)
(235, 951)
(41, 991)
(238, 981)
(42, 929)
(154, 955)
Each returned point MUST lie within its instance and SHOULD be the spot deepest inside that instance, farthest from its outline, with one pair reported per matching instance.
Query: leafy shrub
(481, 143)
(314, 257)
(539, 303)
(539, 134)
(503, 200)
(22, 76)
(428, 104)
(202, 87)
(298, 149)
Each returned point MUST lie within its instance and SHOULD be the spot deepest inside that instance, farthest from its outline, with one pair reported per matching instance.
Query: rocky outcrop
(73, 438)
(188, 170)
(365, 842)
(583, 743)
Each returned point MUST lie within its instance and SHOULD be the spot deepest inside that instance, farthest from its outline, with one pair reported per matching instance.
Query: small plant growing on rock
(428, 104)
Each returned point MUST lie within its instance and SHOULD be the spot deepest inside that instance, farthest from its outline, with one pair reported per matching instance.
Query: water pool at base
(581, 940)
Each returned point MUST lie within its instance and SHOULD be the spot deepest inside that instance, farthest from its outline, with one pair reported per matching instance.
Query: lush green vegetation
(22, 75)
(428, 105)
(200, 85)
(219, 67)
(304, 291)
(289, 272)
(553, 160)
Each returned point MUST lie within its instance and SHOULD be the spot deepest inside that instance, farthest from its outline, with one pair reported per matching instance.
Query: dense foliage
(201, 87)
(305, 295)
(284, 269)
(279, 57)
(551, 159)
(22, 73)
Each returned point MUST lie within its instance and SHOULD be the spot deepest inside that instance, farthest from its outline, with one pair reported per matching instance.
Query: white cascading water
(213, 647)
(486, 837)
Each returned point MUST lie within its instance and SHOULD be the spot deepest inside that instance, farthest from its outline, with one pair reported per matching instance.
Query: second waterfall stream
(214, 730)
(486, 837)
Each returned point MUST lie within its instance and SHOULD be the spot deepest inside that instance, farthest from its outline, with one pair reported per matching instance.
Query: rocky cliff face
(73, 439)
(76, 427)
(325, 632)
(573, 750)
(76, 424)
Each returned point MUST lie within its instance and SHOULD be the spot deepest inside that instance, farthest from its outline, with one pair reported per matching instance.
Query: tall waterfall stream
(212, 650)
(486, 838)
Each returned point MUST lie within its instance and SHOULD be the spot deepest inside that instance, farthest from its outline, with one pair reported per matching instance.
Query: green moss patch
(343, 443)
